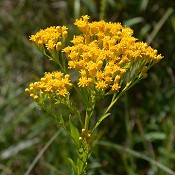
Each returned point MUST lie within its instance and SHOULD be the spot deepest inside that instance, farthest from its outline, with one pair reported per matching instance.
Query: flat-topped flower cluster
(51, 38)
(105, 51)
(105, 55)
(52, 85)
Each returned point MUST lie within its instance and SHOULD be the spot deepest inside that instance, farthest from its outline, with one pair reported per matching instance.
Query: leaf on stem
(74, 132)
(74, 166)
(100, 120)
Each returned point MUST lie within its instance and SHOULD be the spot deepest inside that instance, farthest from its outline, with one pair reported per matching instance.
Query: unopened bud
(80, 138)
(83, 130)
(58, 46)
(64, 34)
(35, 97)
(89, 135)
(27, 90)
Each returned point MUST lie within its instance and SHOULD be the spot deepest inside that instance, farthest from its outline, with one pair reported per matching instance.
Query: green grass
(139, 137)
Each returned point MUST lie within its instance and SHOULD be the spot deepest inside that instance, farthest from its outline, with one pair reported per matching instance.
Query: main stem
(83, 155)
(86, 143)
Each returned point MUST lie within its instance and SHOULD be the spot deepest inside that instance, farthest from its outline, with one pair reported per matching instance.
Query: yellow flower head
(106, 55)
(50, 38)
(82, 23)
(52, 85)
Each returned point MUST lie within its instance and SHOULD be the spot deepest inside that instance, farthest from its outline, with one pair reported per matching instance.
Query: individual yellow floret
(84, 82)
(101, 85)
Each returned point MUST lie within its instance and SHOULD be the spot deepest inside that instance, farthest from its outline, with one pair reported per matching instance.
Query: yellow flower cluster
(53, 84)
(51, 37)
(105, 52)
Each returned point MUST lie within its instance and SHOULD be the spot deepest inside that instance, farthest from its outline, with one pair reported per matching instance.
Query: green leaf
(74, 132)
(74, 166)
(100, 120)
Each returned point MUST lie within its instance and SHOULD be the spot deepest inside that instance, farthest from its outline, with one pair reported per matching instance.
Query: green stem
(115, 98)
(87, 118)
(83, 155)
(74, 109)
(113, 101)
(90, 109)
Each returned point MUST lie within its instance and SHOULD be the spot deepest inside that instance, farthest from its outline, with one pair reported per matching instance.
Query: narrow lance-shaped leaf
(74, 132)
(74, 166)
(100, 120)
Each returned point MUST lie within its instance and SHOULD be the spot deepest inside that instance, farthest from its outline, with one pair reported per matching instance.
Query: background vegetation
(139, 137)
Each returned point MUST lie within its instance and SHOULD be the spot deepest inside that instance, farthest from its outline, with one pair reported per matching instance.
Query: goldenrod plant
(103, 60)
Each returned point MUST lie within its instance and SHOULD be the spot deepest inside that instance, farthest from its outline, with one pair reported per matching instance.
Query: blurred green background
(139, 136)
